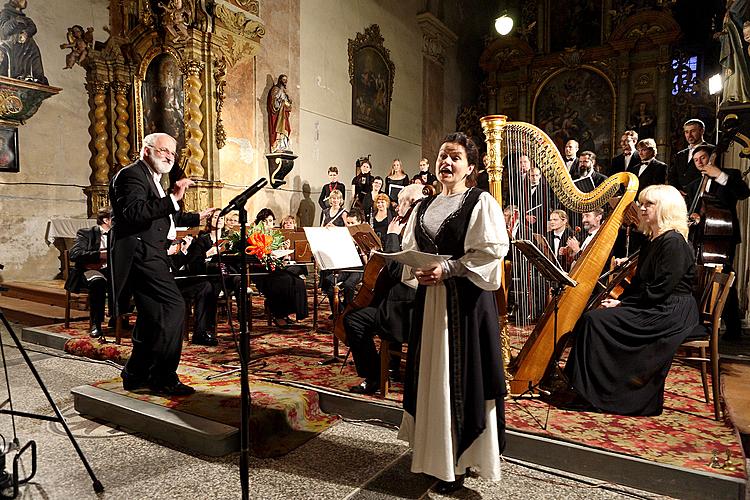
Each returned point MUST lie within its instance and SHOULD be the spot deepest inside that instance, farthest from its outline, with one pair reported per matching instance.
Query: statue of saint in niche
(163, 96)
(279, 108)
(19, 54)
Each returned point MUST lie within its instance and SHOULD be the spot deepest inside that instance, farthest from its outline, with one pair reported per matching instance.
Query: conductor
(145, 220)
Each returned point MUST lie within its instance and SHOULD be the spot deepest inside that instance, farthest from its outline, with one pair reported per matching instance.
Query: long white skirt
(431, 435)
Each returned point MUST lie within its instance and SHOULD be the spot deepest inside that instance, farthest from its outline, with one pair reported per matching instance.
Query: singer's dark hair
(472, 153)
(263, 215)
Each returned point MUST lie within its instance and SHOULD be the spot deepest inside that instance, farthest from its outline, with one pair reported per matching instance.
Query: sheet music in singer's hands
(414, 258)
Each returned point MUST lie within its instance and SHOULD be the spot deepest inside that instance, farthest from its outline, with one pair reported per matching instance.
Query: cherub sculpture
(175, 18)
(79, 43)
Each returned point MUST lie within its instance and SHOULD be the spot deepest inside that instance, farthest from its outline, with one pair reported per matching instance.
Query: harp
(528, 368)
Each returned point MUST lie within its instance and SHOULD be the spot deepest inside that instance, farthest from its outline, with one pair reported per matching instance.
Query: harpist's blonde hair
(671, 211)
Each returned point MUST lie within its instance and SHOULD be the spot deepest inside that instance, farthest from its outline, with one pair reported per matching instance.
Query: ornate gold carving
(506, 53)
(572, 58)
(10, 103)
(220, 79)
(249, 5)
(121, 123)
(193, 119)
(644, 30)
(99, 167)
(97, 198)
(645, 81)
(239, 22)
(234, 51)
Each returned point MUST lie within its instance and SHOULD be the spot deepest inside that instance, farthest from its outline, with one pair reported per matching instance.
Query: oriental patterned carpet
(685, 435)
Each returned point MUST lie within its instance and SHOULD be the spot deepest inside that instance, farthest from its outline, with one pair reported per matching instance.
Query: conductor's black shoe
(366, 387)
(449, 486)
(178, 389)
(96, 332)
(205, 338)
(130, 384)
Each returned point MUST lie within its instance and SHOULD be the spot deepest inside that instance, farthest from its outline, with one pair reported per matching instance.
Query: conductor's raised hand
(180, 187)
(205, 214)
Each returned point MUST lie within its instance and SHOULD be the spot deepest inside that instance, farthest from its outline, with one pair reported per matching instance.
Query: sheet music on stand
(550, 269)
(333, 247)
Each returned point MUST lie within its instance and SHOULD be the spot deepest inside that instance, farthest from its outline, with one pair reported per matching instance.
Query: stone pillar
(623, 92)
(663, 100)
(436, 40)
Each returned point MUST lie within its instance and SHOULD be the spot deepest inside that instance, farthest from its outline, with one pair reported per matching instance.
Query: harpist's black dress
(622, 355)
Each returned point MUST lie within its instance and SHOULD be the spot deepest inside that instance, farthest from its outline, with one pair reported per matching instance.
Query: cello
(376, 280)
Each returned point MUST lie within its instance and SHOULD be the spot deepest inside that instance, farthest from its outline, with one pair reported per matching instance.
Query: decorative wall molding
(437, 38)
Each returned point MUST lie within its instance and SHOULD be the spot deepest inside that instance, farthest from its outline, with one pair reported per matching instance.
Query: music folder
(550, 269)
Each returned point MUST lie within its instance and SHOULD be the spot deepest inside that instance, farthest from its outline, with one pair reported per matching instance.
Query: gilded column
(193, 119)
(122, 153)
(99, 165)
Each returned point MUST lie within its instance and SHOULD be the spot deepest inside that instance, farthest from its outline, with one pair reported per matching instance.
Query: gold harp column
(193, 118)
(97, 192)
(122, 153)
(493, 128)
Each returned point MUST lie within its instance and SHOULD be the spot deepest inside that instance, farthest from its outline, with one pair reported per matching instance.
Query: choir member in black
(483, 177)
(424, 176)
(570, 157)
(682, 169)
(725, 188)
(649, 170)
(334, 214)
(283, 288)
(333, 185)
(390, 318)
(558, 235)
(89, 253)
(381, 216)
(454, 388)
(396, 181)
(362, 182)
(622, 352)
(348, 280)
(587, 178)
(629, 156)
(535, 203)
(368, 202)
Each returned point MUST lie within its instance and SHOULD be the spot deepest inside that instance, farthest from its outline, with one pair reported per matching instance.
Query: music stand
(333, 250)
(553, 273)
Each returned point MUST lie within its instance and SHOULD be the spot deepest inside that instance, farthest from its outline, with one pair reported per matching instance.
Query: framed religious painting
(9, 149)
(371, 74)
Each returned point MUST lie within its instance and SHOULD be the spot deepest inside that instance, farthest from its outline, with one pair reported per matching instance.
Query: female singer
(362, 182)
(335, 215)
(453, 394)
(395, 182)
(382, 216)
(368, 202)
(623, 351)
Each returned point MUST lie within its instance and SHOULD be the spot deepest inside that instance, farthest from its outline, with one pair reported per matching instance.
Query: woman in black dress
(395, 182)
(381, 216)
(623, 351)
(368, 202)
(284, 289)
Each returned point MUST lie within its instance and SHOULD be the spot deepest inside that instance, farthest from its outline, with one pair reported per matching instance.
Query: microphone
(240, 200)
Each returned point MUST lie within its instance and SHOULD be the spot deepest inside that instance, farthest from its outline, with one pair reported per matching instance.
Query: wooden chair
(71, 296)
(711, 306)
(387, 351)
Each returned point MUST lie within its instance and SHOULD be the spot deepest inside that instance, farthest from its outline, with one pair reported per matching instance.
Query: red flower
(259, 244)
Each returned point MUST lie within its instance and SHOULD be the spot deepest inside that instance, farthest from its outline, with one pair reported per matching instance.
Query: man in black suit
(390, 318)
(90, 256)
(649, 170)
(533, 203)
(558, 235)
(587, 178)
(629, 157)
(333, 184)
(682, 170)
(725, 187)
(570, 156)
(145, 220)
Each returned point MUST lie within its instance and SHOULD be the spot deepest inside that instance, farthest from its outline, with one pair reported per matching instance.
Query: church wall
(327, 136)
(53, 147)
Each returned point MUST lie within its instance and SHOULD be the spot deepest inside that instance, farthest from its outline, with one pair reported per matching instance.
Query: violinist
(725, 187)
(348, 280)
(381, 215)
(390, 317)
(622, 352)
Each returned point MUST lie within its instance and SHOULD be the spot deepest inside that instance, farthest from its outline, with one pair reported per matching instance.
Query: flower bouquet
(262, 241)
